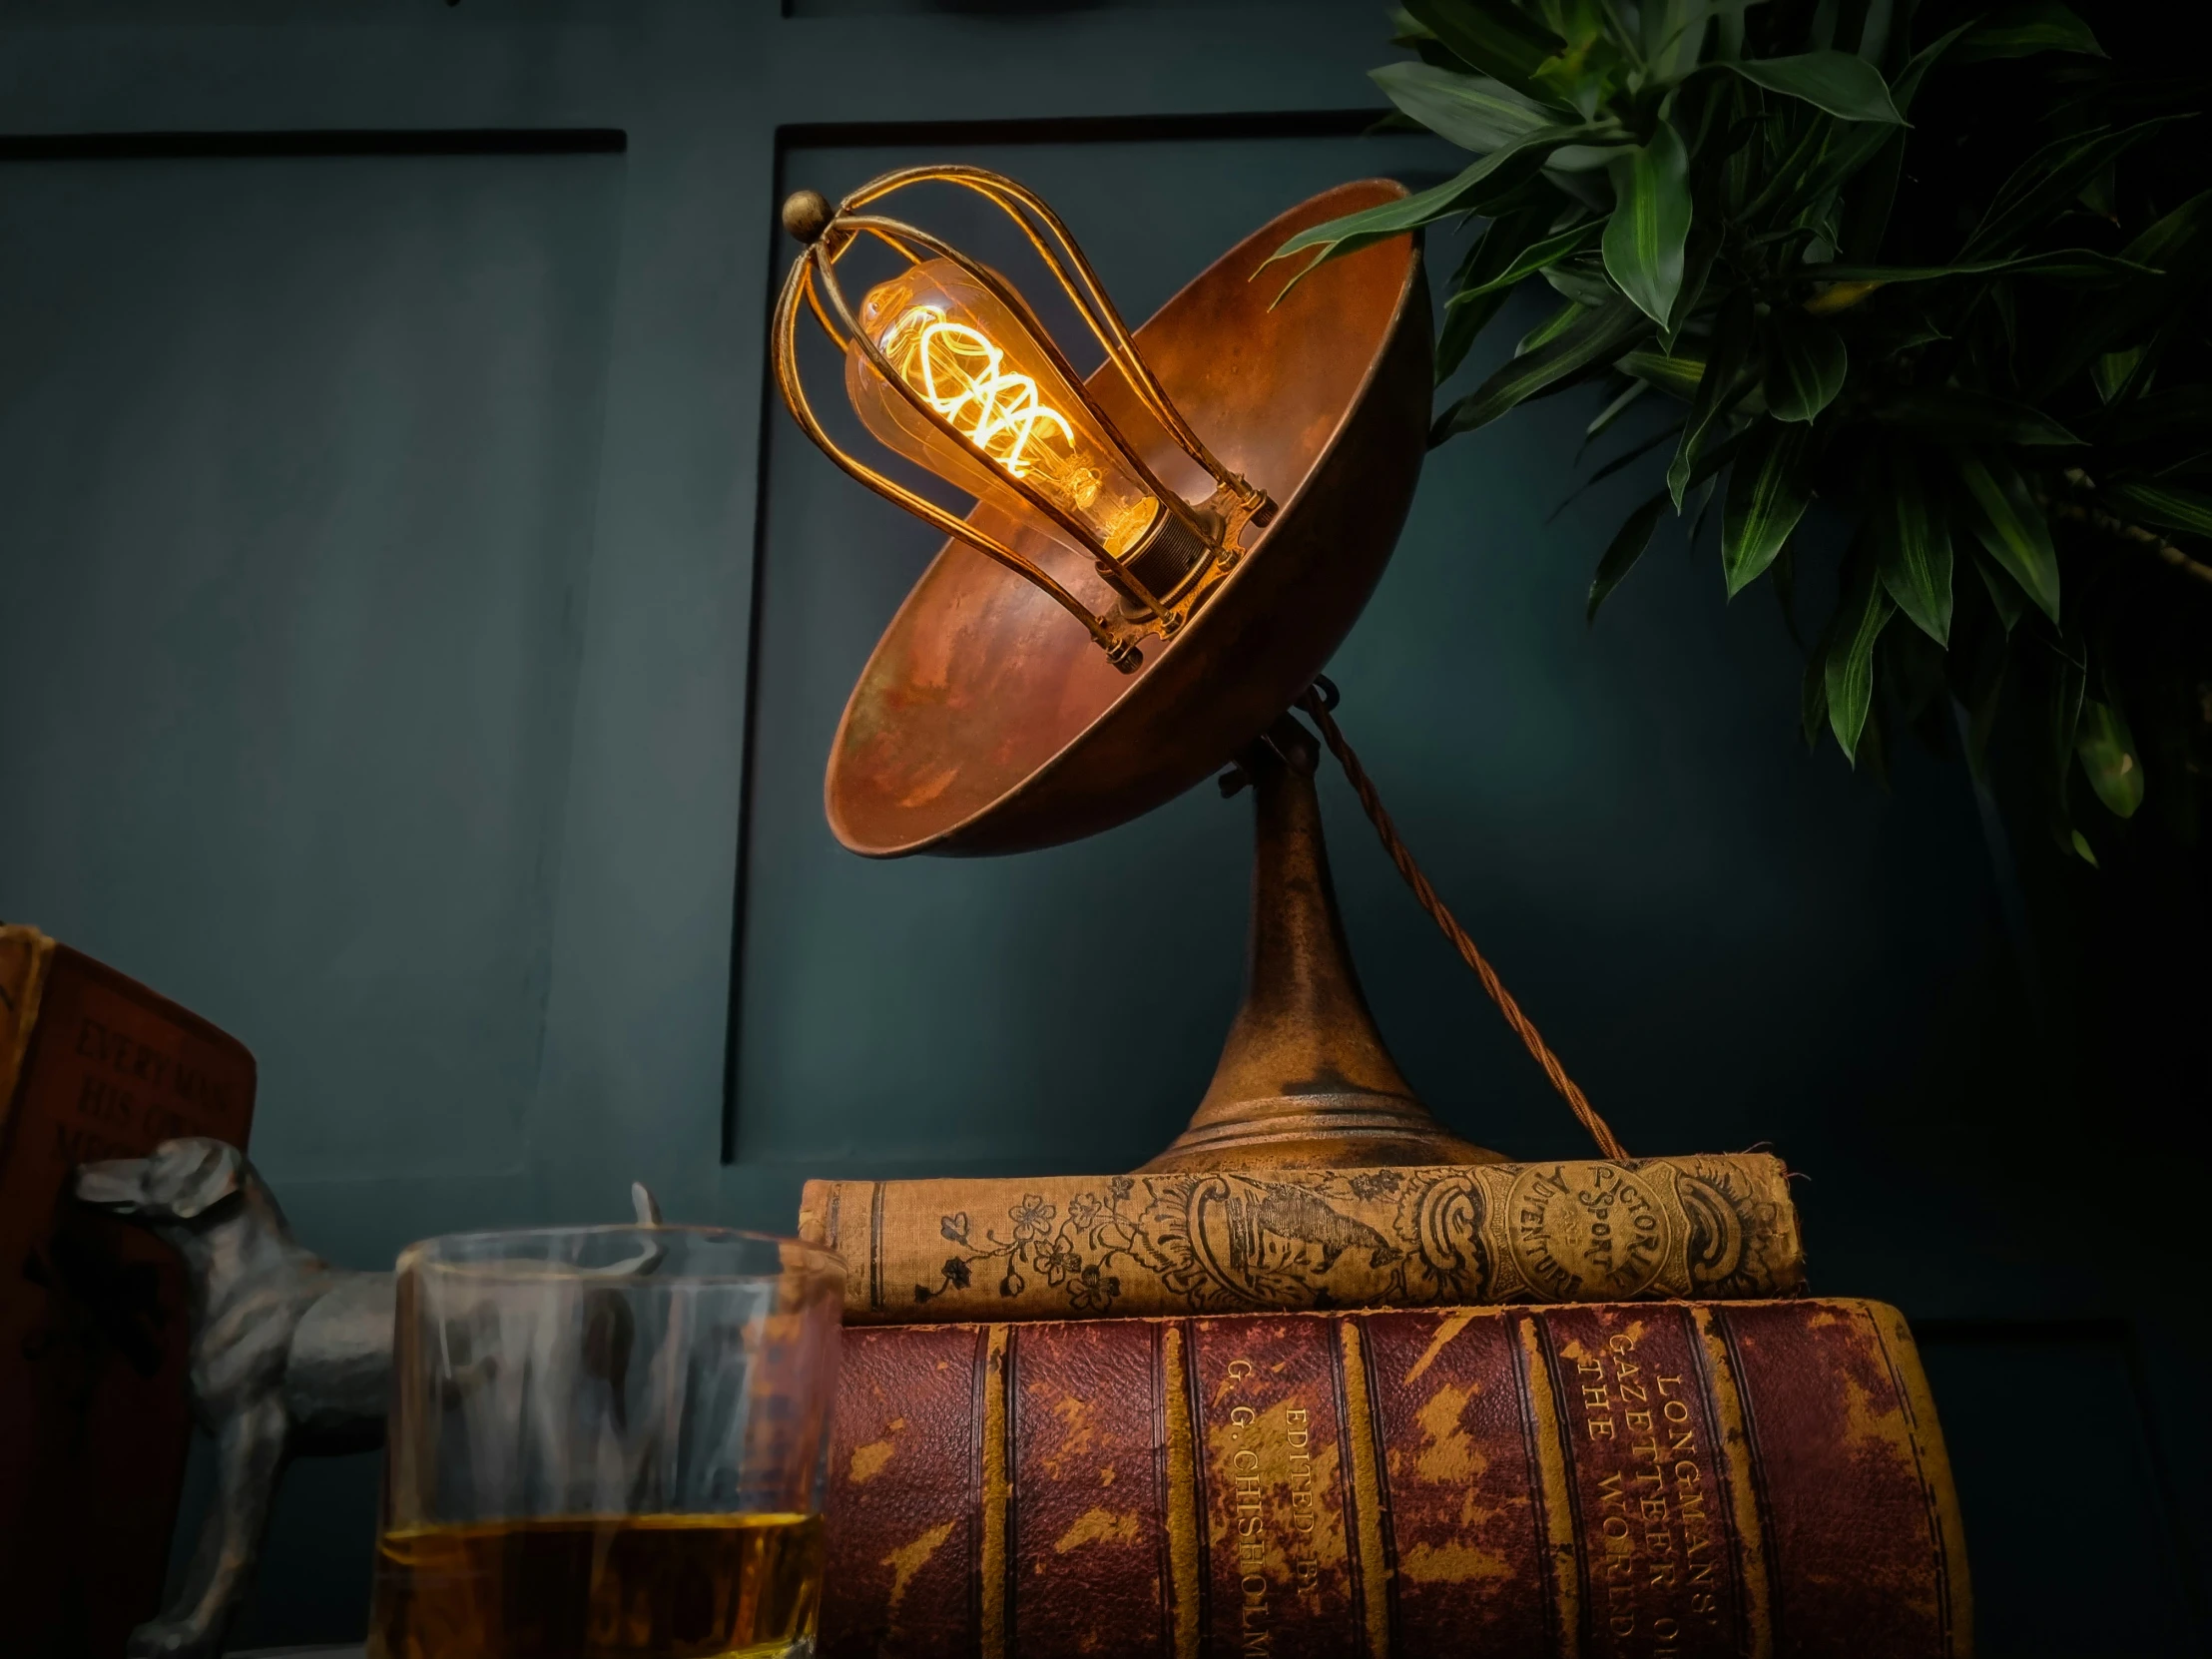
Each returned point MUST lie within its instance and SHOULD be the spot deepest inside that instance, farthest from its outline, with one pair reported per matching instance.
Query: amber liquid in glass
(598, 1588)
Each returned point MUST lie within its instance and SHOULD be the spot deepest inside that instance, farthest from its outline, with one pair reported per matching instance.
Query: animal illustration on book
(1223, 1240)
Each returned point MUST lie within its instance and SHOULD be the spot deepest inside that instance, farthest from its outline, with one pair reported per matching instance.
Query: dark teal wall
(394, 529)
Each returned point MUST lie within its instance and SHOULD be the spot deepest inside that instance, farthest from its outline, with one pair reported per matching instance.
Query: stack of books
(1577, 1408)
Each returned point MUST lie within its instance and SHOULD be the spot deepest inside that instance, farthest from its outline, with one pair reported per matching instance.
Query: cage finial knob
(805, 215)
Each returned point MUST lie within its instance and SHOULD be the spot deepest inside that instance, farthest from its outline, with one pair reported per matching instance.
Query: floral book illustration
(1707, 1226)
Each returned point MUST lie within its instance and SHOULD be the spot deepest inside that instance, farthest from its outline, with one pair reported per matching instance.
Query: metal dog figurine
(289, 1357)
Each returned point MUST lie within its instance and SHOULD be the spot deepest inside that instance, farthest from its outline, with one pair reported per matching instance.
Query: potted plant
(1977, 345)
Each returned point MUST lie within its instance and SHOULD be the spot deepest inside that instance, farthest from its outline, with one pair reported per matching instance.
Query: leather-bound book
(1085, 1245)
(1662, 1480)
(93, 1322)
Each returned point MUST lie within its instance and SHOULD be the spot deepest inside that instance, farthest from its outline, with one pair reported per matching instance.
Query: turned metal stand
(1304, 1080)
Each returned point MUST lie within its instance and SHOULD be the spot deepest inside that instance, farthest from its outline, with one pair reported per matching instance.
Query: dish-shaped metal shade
(986, 722)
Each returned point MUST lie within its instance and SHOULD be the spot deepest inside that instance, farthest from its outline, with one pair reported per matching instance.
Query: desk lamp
(1161, 557)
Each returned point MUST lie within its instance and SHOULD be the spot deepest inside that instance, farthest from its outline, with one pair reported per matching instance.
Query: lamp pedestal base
(1304, 1081)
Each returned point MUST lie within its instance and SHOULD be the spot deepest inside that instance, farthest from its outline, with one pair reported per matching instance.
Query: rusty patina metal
(986, 722)
(1304, 1081)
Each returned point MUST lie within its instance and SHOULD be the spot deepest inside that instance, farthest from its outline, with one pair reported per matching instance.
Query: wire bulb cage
(949, 366)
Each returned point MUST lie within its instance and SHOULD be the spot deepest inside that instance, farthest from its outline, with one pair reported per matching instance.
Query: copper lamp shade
(986, 722)
(1017, 700)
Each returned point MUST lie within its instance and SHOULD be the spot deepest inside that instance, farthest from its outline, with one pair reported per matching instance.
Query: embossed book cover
(1183, 1242)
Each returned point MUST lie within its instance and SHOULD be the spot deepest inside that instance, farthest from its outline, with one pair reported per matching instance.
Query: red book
(93, 1326)
(1662, 1480)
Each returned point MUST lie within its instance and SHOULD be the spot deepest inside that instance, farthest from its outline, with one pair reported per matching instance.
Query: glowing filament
(964, 376)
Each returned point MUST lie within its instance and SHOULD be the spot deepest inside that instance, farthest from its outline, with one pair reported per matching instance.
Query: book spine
(1075, 1247)
(24, 953)
(1606, 1480)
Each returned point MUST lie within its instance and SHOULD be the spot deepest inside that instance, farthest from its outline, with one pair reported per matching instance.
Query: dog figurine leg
(250, 1453)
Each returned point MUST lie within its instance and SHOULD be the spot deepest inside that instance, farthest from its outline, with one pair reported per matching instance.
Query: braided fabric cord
(1314, 704)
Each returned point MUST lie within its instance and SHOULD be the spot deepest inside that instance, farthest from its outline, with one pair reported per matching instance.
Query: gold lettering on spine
(1904, 1356)
(1184, 1520)
(1551, 1483)
(1727, 1401)
(1367, 1492)
(995, 1495)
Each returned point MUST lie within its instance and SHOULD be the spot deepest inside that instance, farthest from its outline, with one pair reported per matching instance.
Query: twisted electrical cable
(1318, 703)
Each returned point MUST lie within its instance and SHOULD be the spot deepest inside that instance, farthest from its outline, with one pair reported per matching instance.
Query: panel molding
(251, 142)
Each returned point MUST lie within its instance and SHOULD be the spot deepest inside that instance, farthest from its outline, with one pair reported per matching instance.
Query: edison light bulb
(974, 361)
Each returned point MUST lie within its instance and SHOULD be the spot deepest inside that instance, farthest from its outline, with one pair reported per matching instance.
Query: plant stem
(2098, 518)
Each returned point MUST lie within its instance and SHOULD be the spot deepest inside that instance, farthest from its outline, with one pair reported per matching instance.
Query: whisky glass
(606, 1442)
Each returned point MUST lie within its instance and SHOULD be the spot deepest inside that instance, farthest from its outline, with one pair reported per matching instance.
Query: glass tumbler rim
(428, 1254)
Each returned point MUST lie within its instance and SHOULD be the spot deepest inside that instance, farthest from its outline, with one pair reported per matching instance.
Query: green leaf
(1830, 159)
(2081, 848)
(1581, 279)
(1596, 336)
(2157, 414)
(1911, 542)
(2164, 506)
(2021, 31)
(1491, 35)
(1532, 258)
(1629, 456)
(1958, 415)
(2005, 593)
(2111, 372)
(1766, 498)
(1785, 176)
(1907, 86)
(1586, 74)
(2171, 268)
(1626, 547)
(1697, 268)
(2108, 754)
(1462, 323)
(1646, 236)
(1847, 672)
(1677, 376)
(1844, 84)
(1721, 383)
(2047, 182)
(1602, 421)
(1466, 190)
(1502, 241)
(2010, 524)
(1892, 335)
(1806, 367)
(1472, 111)
(1704, 504)
(1552, 327)
(1984, 700)
(1711, 461)
(2072, 263)
(1812, 698)
(1411, 31)
(2171, 235)
(1867, 143)
(1866, 215)
(1673, 31)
